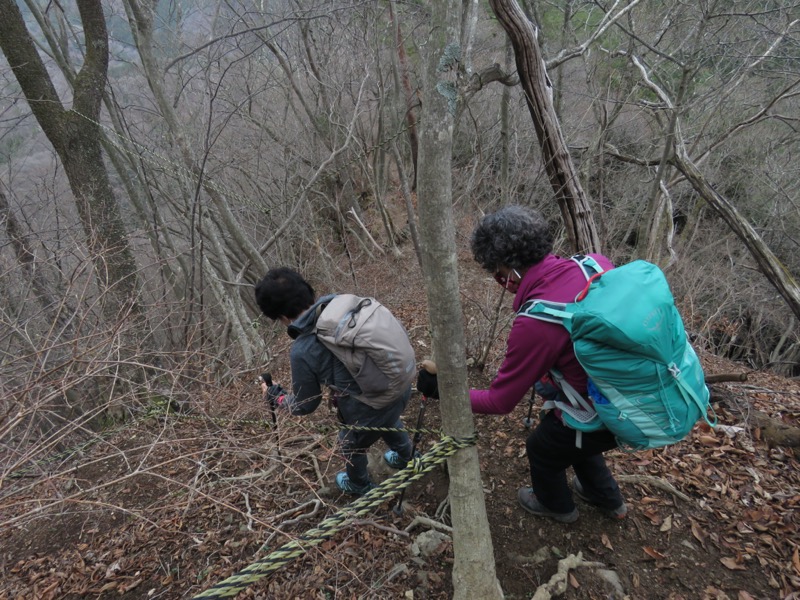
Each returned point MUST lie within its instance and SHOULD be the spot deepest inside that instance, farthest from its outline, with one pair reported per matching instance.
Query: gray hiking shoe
(529, 501)
(615, 513)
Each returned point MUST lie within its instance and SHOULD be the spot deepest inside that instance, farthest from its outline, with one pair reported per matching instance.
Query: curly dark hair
(284, 293)
(514, 236)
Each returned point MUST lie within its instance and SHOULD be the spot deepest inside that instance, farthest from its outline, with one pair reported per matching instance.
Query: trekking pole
(267, 378)
(431, 368)
(527, 422)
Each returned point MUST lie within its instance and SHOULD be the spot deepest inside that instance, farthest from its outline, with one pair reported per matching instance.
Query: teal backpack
(645, 381)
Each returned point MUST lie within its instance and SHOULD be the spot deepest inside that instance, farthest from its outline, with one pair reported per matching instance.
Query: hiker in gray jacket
(284, 295)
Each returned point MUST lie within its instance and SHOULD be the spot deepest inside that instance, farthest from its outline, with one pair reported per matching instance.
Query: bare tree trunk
(559, 91)
(135, 185)
(775, 272)
(505, 135)
(401, 74)
(34, 272)
(572, 200)
(141, 21)
(657, 225)
(405, 189)
(474, 568)
(76, 137)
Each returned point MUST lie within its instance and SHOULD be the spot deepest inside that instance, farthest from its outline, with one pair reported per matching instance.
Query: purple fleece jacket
(534, 347)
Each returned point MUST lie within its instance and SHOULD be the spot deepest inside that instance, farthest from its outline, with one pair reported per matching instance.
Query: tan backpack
(372, 344)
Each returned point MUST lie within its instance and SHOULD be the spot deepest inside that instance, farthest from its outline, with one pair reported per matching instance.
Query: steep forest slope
(157, 157)
(168, 506)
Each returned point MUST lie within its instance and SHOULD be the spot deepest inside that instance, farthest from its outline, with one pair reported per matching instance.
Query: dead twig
(442, 509)
(763, 390)
(317, 470)
(249, 511)
(201, 470)
(386, 528)
(558, 582)
(246, 476)
(655, 482)
(429, 523)
(317, 504)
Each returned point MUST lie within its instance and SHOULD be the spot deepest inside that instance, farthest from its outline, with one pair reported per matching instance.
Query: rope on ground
(231, 586)
(269, 425)
(435, 432)
(224, 421)
(159, 409)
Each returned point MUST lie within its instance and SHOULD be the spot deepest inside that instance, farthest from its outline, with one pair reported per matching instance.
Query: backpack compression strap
(689, 395)
(578, 408)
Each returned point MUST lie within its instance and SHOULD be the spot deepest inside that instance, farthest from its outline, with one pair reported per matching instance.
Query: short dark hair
(284, 293)
(514, 236)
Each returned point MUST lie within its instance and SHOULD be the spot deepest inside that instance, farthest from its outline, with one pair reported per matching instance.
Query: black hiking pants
(551, 450)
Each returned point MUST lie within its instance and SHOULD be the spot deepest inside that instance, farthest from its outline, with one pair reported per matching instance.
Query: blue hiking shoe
(615, 513)
(393, 459)
(348, 487)
(529, 501)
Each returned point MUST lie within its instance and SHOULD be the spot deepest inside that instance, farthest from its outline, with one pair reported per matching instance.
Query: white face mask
(513, 285)
(507, 282)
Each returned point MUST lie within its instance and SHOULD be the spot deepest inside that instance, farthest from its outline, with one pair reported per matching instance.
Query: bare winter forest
(158, 157)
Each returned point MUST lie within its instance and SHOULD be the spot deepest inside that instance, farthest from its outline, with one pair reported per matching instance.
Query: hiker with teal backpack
(604, 347)
(325, 353)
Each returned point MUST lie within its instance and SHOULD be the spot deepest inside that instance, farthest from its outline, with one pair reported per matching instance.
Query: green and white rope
(233, 585)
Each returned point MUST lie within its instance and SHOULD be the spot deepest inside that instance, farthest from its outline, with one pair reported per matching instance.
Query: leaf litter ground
(170, 506)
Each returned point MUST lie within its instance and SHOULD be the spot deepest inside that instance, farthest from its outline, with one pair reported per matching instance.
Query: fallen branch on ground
(429, 523)
(558, 582)
(722, 377)
(655, 482)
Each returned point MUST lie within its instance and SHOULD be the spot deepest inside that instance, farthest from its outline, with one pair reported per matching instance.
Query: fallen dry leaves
(210, 500)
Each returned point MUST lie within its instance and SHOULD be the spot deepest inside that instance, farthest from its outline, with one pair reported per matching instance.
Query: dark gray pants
(355, 445)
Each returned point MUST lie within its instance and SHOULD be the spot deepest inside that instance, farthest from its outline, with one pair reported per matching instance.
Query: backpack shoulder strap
(544, 310)
(318, 311)
(588, 265)
(555, 312)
